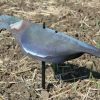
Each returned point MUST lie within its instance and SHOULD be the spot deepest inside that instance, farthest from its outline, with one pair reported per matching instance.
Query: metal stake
(43, 74)
(43, 67)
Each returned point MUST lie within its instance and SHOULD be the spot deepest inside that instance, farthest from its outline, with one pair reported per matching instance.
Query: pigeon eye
(56, 31)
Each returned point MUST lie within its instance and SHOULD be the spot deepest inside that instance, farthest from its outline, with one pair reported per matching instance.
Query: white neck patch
(16, 25)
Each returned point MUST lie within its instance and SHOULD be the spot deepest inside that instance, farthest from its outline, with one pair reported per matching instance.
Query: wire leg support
(43, 74)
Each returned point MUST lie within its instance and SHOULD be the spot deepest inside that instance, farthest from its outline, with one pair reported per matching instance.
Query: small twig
(84, 22)
(23, 71)
(59, 94)
(11, 82)
(86, 96)
(34, 74)
(93, 89)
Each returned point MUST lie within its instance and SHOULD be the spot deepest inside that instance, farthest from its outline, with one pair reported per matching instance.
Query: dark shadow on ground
(72, 73)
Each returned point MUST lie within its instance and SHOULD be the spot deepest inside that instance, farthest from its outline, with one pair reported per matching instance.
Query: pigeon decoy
(45, 44)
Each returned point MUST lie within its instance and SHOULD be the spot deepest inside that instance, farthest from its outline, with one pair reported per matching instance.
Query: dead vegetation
(20, 76)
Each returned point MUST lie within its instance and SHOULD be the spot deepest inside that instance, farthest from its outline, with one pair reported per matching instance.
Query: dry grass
(20, 76)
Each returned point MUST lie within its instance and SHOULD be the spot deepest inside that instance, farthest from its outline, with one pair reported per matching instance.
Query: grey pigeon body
(45, 44)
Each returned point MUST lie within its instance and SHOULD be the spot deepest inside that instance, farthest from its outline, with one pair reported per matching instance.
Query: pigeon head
(16, 27)
(19, 27)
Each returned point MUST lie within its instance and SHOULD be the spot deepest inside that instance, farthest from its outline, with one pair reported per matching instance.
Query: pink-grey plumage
(46, 45)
